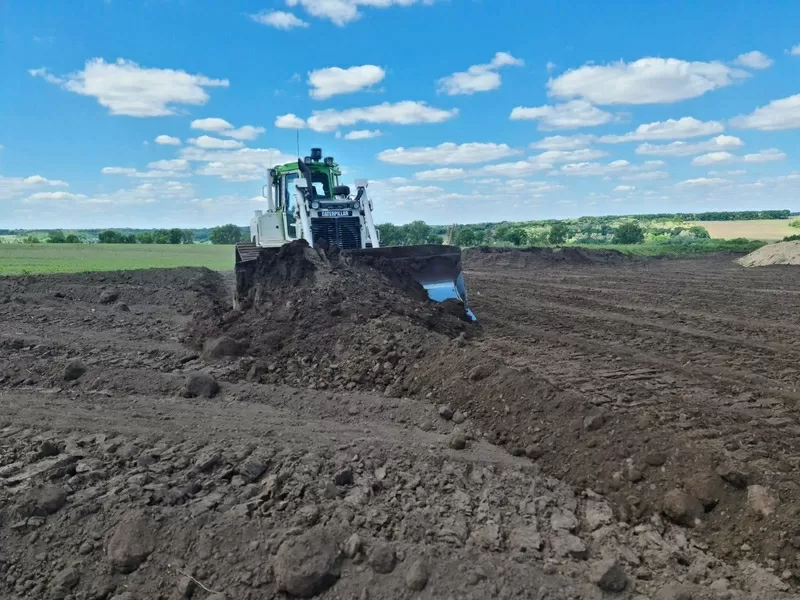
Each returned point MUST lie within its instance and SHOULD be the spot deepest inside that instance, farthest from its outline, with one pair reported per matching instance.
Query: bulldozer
(305, 201)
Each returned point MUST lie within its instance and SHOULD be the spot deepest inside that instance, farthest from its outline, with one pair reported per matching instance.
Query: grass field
(768, 230)
(17, 259)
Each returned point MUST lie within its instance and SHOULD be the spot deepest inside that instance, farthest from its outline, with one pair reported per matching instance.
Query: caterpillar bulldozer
(305, 201)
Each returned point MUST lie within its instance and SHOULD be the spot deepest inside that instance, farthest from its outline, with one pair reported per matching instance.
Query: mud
(621, 430)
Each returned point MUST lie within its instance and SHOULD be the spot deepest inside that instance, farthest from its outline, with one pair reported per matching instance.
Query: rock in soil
(458, 441)
(222, 347)
(761, 500)
(132, 542)
(733, 475)
(445, 412)
(682, 508)
(382, 558)
(608, 575)
(673, 592)
(108, 296)
(308, 564)
(417, 575)
(706, 487)
(74, 369)
(201, 385)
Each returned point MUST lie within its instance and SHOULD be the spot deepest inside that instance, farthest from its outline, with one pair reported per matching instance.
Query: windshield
(322, 184)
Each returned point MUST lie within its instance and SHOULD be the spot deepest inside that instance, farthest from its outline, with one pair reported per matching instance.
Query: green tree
(699, 232)
(32, 239)
(127, 239)
(109, 237)
(629, 233)
(161, 236)
(795, 223)
(73, 239)
(391, 234)
(187, 236)
(226, 234)
(464, 236)
(175, 235)
(56, 237)
(517, 236)
(558, 234)
(145, 237)
(419, 232)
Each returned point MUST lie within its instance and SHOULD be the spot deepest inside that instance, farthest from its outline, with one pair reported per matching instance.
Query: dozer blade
(434, 266)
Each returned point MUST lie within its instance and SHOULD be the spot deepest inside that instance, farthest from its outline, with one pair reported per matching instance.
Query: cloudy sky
(151, 113)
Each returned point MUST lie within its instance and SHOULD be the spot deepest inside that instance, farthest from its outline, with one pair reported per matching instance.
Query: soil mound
(489, 257)
(782, 253)
(323, 319)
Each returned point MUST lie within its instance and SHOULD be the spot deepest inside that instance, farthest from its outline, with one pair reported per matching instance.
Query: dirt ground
(609, 429)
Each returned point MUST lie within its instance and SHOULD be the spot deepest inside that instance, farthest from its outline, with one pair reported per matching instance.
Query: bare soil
(610, 429)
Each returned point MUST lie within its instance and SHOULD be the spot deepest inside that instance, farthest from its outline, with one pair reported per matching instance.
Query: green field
(18, 259)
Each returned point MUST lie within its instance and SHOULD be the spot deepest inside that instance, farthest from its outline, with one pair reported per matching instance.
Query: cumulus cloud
(594, 169)
(754, 60)
(11, 187)
(333, 81)
(400, 113)
(448, 153)
(290, 121)
(160, 169)
(775, 116)
(702, 182)
(570, 115)
(167, 140)
(222, 127)
(125, 88)
(624, 188)
(645, 176)
(478, 78)
(244, 164)
(362, 134)
(279, 19)
(795, 51)
(645, 81)
(671, 129)
(563, 142)
(51, 197)
(720, 158)
(443, 174)
(721, 143)
(205, 141)
(342, 12)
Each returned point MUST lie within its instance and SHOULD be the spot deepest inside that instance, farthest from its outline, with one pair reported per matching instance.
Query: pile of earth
(483, 257)
(782, 253)
(323, 319)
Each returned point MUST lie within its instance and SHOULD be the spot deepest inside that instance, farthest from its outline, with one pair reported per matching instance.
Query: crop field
(19, 259)
(769, 230)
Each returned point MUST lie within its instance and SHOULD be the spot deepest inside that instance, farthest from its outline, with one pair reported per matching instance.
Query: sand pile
(782, 253)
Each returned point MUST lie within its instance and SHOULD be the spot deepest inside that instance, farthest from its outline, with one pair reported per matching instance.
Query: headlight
(315, 205)
(356, 205)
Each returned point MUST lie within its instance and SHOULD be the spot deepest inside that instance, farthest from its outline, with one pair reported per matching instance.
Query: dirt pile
(321, 319)
(486, 257)
(782, 253)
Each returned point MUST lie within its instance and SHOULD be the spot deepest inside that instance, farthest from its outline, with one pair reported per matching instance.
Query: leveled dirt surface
(629, 380)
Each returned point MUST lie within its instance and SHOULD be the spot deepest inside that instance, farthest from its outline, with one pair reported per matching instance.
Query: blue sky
(151, 113)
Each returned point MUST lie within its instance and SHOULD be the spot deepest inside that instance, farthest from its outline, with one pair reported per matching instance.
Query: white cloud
(49, 197)
(671, 129)
(290, 121)
(754, 60)
(125, 88)
(478, 78)
(795, 51)
(168, 140)
(342, 12)
(443, 174)
(400, 113)
(212, 143)
(647, 176)
(593, 169)
(563, 142)
(703, 182)
(362, 134)
(333, 81)
(645, 81)
(720, 143)
(222, 127)
(559, 156)
(160, 169)
(733, 173)
(777, 115)
(279, 19)
(624, 188)
(520, 168)
(211, 124)
(550, 66)
(175, 164)
(719, 158)
(245, 164)
(14, 186)
(570, 115)
(448, 153)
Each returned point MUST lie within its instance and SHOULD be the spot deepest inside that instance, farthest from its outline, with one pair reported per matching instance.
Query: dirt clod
(201, 385)
(707, 488)
(682, 508)
(108, 296)
(761, 500)
(132, 542)
(382, 557)
(733, 475)
(458, 441)
(417, 575)
(308, 564)
(609, 575)
(74, 369)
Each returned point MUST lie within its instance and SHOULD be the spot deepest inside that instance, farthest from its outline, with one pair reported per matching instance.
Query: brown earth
(599, 399)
